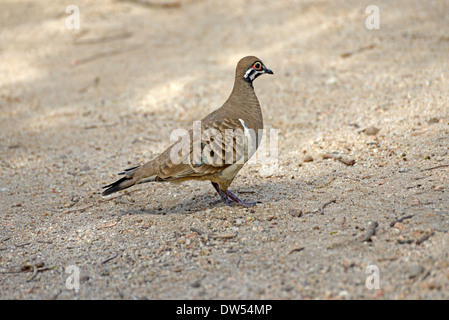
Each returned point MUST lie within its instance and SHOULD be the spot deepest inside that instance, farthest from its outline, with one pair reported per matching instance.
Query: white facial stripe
(252, 74)
(249, 74)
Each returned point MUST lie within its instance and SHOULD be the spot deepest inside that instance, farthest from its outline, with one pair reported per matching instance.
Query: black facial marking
(249, 75)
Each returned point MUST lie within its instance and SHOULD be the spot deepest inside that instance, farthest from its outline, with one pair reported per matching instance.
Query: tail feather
(132, 176)
(118, 185)
(129, 171)
(123, 183)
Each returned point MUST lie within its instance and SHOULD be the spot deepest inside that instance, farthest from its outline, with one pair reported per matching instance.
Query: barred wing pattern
(220, 144)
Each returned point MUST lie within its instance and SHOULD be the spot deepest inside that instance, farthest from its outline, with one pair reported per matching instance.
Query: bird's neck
(244, 98)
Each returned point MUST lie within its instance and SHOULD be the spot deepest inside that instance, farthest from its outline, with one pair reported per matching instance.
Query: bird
(215, 149)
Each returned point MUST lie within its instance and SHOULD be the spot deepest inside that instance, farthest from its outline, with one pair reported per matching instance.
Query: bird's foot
(238, 201)
(231, 199)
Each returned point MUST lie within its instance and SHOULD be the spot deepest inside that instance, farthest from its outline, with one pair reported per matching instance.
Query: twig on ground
(34, 273)
(23, 244)
(437, 167)
(223, 236)
(360, 50)
(115, 255)
(370, 232)
(400, 220)
(107, 225)
(296, 249)
(34, 268)
(321, 209)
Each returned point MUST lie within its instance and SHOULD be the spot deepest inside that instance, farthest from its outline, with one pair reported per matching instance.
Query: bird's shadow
(262, 193)
(200, 203)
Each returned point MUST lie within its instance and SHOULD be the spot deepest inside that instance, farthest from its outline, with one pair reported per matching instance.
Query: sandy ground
(78, 106)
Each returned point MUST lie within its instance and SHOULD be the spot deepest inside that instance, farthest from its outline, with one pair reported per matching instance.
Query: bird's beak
(266, 70)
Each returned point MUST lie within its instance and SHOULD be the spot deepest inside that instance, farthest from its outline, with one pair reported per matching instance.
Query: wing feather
(222, 144)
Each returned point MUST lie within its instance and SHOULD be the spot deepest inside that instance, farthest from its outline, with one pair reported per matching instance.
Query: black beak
(266, 70)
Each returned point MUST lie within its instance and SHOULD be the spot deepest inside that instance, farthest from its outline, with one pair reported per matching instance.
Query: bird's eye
(257, 66)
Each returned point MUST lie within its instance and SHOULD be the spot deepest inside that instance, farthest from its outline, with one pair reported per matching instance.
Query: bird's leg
(227, 201)
(231, 199)
(234, 198)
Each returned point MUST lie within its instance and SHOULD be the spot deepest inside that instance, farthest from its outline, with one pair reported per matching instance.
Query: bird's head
(249, 68)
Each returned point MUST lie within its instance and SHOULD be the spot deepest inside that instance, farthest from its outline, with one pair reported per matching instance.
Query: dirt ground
(78, 106)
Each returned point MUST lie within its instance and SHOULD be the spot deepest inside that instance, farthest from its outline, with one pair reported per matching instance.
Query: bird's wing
(220, 144)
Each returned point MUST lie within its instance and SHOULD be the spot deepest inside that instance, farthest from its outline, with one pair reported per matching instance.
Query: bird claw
(238, 201)
(248, 204)
(231, 199)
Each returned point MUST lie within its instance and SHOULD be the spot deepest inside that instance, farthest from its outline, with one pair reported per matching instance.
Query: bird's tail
(127, 181)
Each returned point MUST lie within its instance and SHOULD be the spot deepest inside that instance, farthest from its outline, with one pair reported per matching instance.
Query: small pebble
(308, 158)
(371, 131)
